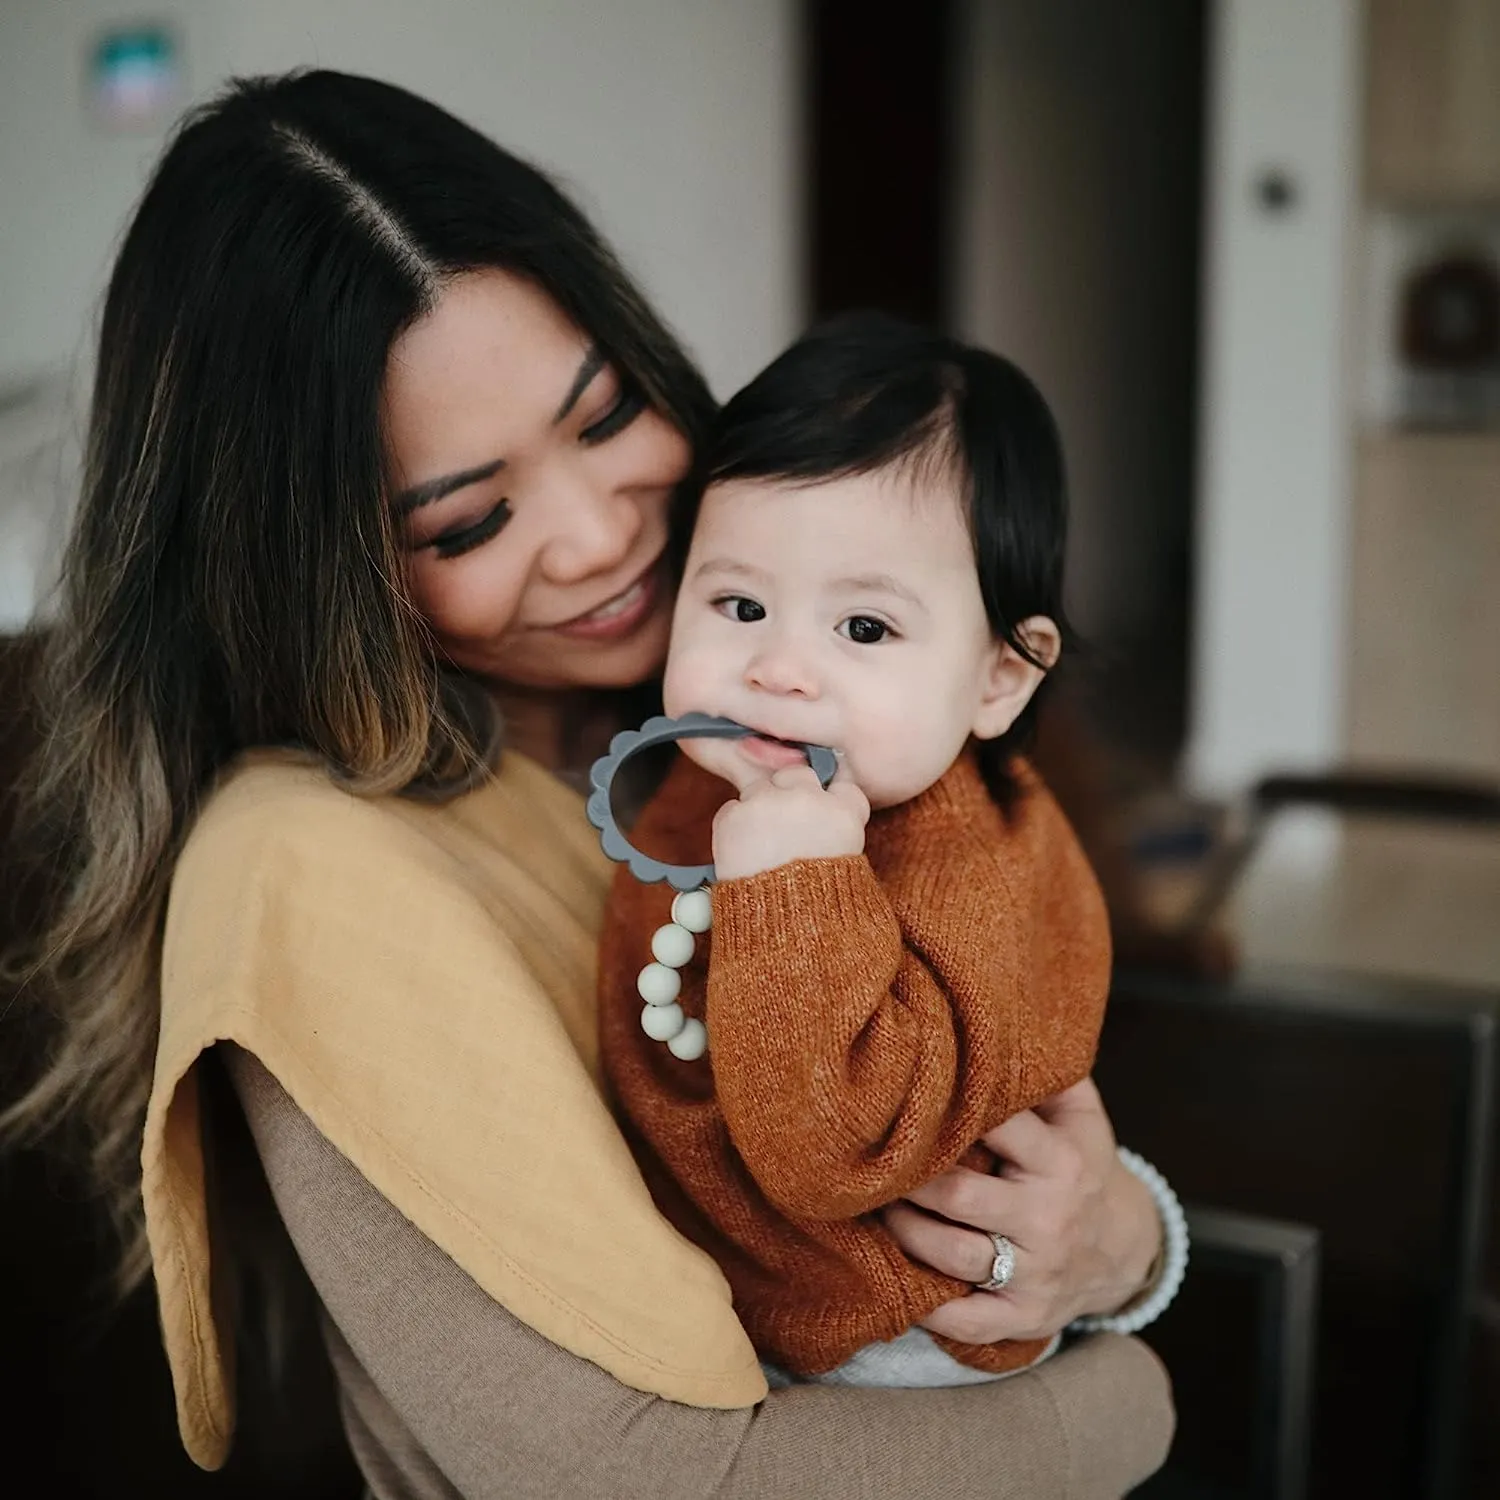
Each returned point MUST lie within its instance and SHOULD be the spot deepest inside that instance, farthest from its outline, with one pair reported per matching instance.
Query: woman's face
(533, 489)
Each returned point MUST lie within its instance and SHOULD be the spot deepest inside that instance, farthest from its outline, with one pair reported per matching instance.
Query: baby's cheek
(676, 688)
(712, 755)
(688, 683)
(898, 756)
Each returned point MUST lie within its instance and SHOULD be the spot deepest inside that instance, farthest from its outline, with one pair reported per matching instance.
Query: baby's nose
(778, 668)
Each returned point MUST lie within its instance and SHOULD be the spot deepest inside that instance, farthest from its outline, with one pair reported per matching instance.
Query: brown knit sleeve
(854, 1061)
(446, 1394)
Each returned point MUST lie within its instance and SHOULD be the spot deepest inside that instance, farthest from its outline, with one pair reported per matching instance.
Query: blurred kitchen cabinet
(1424, 683)
(1432, 105)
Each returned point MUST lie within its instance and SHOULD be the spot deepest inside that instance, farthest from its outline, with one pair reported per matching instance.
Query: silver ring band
(1002, 1268)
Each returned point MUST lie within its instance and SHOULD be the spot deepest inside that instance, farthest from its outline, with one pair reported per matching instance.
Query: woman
(380, 474)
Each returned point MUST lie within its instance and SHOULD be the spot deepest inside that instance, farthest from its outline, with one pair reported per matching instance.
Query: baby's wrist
(746, 866)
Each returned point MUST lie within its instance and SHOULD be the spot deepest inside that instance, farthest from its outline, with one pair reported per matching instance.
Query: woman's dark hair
(866, 392)
(235, 576)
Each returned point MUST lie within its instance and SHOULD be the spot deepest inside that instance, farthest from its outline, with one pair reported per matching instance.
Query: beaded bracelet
(1175, 1256)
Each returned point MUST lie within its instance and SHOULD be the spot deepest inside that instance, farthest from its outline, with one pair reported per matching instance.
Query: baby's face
(846, 613)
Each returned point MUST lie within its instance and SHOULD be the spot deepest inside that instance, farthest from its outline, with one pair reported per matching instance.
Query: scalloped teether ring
(658, 731)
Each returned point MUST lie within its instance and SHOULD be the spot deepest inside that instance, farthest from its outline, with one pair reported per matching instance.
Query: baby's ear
(1010, 680)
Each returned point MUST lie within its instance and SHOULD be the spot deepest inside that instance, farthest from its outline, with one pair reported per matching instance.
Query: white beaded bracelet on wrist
(1174, 1263)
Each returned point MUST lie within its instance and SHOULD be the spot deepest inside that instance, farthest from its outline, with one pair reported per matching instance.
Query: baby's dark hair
(866, 392)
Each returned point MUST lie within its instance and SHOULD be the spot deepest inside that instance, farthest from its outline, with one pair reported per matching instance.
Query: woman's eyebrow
(593, 362)
(435, 489)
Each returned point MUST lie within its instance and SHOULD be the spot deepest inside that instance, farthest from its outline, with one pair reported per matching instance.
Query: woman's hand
(1085, 1229)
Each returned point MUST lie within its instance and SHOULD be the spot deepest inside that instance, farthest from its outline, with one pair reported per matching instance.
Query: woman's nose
(596, 528)
(778, 667)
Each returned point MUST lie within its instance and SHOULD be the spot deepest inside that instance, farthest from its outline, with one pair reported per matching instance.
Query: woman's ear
(1010, 679)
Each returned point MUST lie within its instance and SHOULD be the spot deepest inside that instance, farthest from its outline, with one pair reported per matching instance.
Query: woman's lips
(619, 616)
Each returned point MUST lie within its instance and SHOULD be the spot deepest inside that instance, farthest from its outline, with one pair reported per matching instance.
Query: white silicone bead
(672, 945)
(691, 1042)
(662, 1022)
(693, 910)
(658, 984)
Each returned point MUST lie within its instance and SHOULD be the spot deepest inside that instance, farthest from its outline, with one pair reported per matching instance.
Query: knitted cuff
(808, 903)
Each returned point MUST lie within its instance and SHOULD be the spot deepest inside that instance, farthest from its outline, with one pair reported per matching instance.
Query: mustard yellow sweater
(421, 981)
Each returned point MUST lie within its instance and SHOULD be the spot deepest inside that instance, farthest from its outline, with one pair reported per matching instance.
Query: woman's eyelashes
(623, 410)
(465, 538)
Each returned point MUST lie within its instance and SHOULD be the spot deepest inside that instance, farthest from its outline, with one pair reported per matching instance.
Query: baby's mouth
(773, 751)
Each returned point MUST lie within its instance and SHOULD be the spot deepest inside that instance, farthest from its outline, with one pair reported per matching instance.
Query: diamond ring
(1003, 1266)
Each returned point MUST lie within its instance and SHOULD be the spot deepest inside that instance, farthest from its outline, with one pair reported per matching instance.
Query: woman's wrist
(1134, 1239)
(1160, 1240)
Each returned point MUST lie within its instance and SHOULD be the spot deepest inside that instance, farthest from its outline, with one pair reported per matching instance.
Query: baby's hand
(789, 816)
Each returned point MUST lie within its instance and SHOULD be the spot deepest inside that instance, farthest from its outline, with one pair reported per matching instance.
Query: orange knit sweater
(868, 1019)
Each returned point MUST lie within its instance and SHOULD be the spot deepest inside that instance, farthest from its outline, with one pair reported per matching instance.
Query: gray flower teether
(658, 731)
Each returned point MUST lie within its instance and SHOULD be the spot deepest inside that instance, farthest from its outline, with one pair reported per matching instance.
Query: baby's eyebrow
(730, 568)
(878, 583)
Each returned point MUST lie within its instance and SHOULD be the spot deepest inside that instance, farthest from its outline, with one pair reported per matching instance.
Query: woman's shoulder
(419, 978)
(269, 801)
(290, 881)
(288, 814)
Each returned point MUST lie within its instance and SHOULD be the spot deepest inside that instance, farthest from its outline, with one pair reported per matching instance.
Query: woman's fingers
(1080, 1111)
(1031, 1209)
(967, 1254)
(1085, 1229)
(986, 1318)
(975, 1198)
(1058, 1136)
(1028, 1144)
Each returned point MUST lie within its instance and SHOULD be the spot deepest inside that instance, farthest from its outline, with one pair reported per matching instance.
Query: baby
(901, 961)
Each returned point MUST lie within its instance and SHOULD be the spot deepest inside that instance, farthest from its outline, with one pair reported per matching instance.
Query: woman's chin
(628, 663)
(581, 666)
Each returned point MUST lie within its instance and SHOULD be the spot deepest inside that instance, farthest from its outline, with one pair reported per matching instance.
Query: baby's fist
(789, 816)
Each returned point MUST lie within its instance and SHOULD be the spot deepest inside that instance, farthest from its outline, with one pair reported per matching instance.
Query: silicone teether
(658, 731)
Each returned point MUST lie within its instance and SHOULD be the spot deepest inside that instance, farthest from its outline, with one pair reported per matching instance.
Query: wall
(1070, 260)
(1274, 473)
(673, 121)
(1077, 249)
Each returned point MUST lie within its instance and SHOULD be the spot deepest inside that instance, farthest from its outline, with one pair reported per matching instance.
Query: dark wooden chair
(1239, 1341)
(1365, 1111)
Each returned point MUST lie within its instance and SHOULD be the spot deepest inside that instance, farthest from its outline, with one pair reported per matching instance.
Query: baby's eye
(864, 630)
(738, 607)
